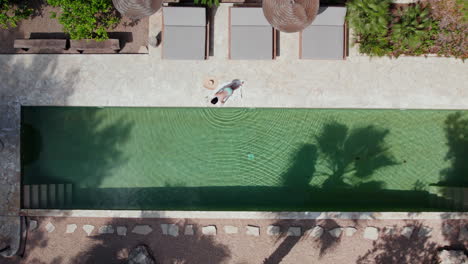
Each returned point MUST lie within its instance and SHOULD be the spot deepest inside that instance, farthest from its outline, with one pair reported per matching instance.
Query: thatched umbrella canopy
(290, 15)
(136, 9)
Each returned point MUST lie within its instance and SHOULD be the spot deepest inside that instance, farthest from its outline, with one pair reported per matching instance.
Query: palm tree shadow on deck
(397, 248)
(196, 248)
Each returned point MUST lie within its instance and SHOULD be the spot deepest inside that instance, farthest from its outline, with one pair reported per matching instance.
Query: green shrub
(414, 30)
(370, 21)
(207, 2)
(12, 12)
(86, 19)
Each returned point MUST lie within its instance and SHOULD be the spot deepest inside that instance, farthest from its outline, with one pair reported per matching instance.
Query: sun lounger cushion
(184, 33)
(325, 37)
(251, 35)
(330, 16)
(248, 16)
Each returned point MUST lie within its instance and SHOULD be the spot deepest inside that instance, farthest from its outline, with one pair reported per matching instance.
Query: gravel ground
(59, 247)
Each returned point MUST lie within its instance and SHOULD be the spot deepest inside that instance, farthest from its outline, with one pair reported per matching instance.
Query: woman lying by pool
(226, 91)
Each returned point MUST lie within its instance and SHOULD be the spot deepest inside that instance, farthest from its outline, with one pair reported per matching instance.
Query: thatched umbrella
(136, 9)
(290, 15)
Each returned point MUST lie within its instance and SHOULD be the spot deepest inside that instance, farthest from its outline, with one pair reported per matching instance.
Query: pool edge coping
(247, 214)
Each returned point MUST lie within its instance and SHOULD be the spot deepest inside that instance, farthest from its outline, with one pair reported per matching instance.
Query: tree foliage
(86, 19)
(209, 3)
(12, 12)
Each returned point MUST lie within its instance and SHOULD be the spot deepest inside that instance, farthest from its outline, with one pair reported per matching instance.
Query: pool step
(43, 196)
(61, 195)
(454, 198)
(35, 196)
(69, 194)
(47, 196)
(26, 196)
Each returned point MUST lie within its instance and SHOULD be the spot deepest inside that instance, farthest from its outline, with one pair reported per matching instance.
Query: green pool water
(245, 159)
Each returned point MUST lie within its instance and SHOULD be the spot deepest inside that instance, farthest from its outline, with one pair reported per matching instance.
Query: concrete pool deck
(146, 80)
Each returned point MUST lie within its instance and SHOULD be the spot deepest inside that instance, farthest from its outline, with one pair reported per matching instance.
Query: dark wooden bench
(92, 45)
(52, 44)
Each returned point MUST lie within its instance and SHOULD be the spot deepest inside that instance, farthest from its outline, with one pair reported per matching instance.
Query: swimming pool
(238, 158)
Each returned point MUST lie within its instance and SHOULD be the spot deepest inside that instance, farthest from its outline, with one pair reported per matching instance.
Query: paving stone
(50, 227)
(122, 230)
(371, 233)
(389, 230)
(316, 232)
(463, 235)
(209, 230)
(164, 229)
(424, 231)
(294, 231)
(170, 229)
(107, 229)
(189, 230)
(407, 231)
(349, 231)
(273, 230)
(252, 230)
(173, 230)
(32, 225)
(70, 228)
(231, 229)
(140, 255)
(142, 229)
(336, 232)
(88, 229)
(452, 257)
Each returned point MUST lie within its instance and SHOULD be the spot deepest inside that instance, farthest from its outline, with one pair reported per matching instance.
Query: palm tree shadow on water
(340, 165)
(453, 184)
(350, 157)
(346, 158)
(456, 132)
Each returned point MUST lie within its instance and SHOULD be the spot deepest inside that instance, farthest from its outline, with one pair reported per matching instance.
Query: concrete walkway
(146, 80)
